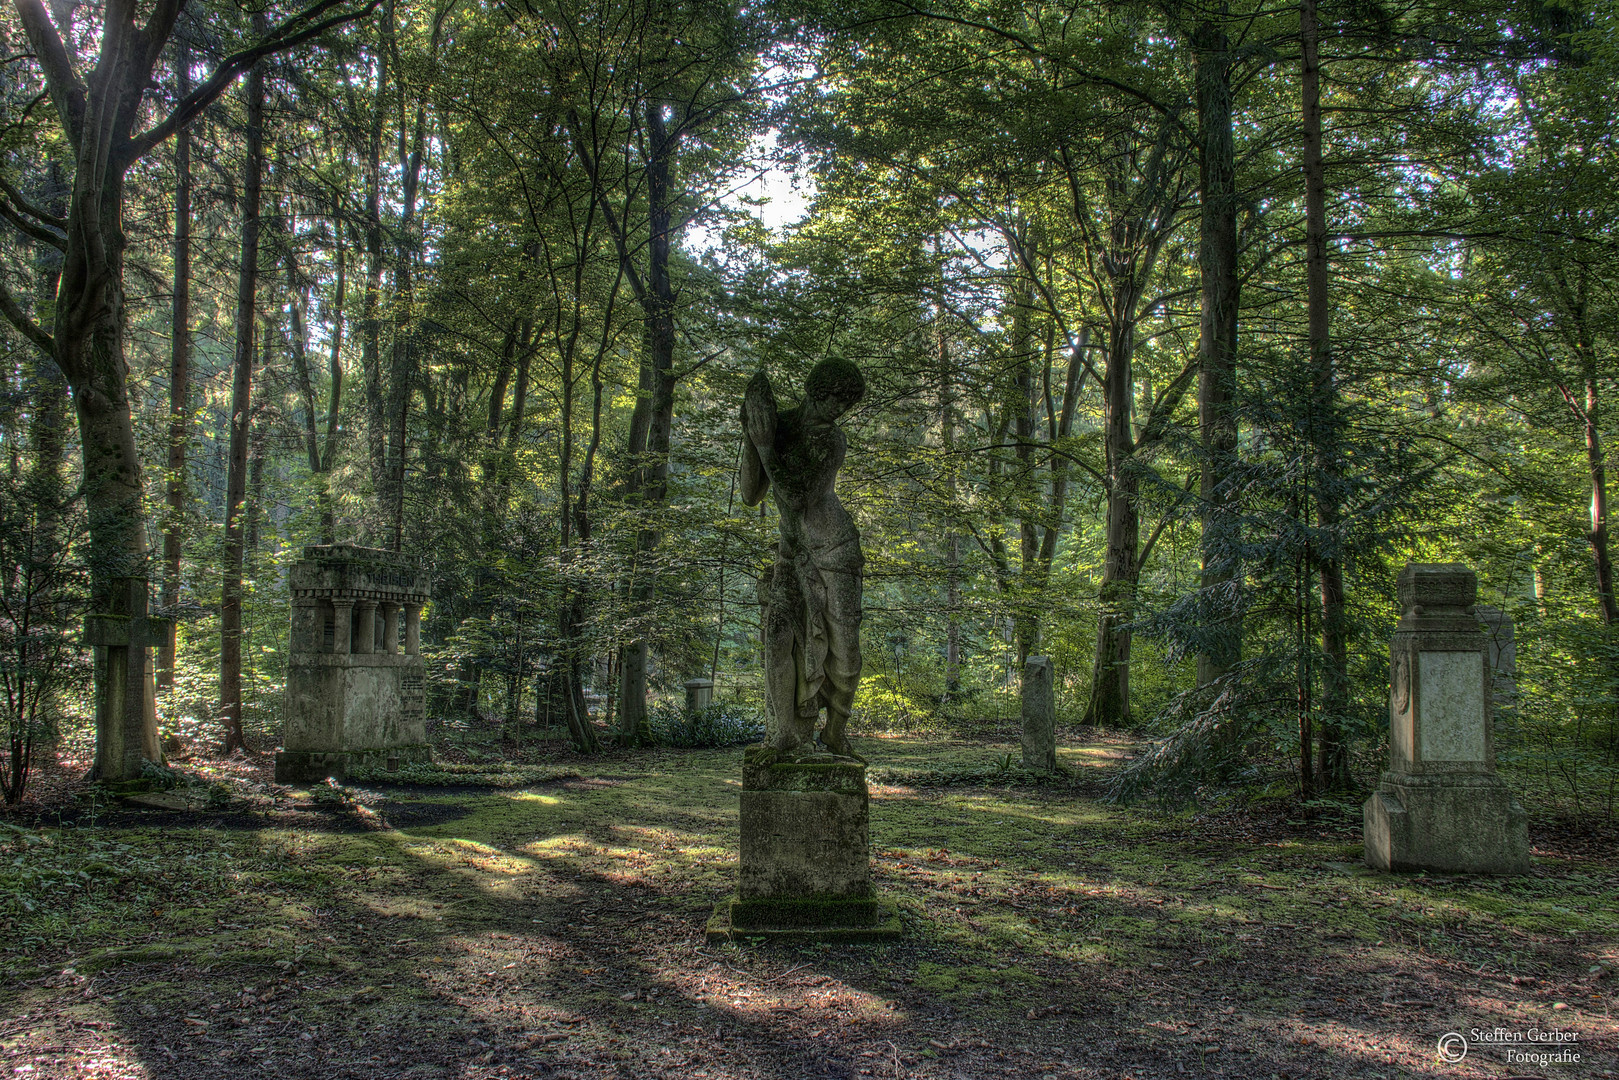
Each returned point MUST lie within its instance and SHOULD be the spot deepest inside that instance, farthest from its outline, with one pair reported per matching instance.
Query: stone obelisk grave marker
(1440, 806)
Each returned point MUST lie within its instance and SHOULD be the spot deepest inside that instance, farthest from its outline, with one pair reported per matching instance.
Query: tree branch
(1152, 539)
(38, 232)
(296, 30)
(67, 91)
(30, 209)
(30, 329)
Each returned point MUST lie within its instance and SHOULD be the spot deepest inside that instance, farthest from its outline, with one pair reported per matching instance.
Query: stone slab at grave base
(1465, 823)
(806, 858)
(874, 918)
(314, 766)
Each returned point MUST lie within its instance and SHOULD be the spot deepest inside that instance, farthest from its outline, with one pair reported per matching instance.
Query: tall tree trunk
(97, 113)
(334, 401)
(503, 374)
(573, 524)
(401, 372)
(952, 536)
(298, 355)
(34, 593)
(371, 311)
(1020, 404)
(253, 511)
(1061, 430)
(1110, 672)
(658, 301)
(230, 611)
(1596, 465)
(319, 455)
(526, 345)
(179, 379)
(89, 347)
(48, 490)
(1332, 758)
(1217, 356)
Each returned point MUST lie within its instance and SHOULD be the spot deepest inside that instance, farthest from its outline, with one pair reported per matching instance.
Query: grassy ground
(554, 928)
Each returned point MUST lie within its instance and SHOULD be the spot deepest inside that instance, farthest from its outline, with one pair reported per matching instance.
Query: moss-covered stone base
(873, 918)
(803, 828)
(313, 766)
(1449, 824)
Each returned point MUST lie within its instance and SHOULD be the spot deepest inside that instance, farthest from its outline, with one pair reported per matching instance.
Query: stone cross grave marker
(126, 631)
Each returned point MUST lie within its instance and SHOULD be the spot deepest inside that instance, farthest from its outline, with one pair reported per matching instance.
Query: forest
(1185, 325)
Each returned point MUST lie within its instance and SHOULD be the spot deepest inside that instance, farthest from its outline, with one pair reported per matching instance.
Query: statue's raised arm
(758, 438)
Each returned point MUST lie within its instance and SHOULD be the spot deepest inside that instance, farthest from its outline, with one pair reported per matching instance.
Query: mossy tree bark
(1110, 672)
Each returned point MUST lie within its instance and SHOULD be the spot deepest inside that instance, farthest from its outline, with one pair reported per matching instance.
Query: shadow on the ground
(556, 931)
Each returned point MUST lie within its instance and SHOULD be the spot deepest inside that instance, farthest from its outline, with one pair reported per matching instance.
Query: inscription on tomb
(411, 700)
(1452, 706)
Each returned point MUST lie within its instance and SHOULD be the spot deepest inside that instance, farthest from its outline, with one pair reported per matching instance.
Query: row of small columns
(365, 641)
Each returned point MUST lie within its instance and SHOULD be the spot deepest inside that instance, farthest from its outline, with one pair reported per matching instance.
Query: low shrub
(720, 724)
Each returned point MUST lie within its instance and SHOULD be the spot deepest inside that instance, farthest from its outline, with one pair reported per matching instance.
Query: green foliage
(718, 724)
(334, 796)
(43, 591)
(1004, 204)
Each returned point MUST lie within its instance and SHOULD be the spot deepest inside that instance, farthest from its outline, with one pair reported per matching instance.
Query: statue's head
(834, 386)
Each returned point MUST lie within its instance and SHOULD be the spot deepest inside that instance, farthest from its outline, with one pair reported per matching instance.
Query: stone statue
(812, 624)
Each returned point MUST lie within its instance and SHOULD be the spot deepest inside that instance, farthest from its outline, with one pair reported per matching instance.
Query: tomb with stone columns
(354, 676)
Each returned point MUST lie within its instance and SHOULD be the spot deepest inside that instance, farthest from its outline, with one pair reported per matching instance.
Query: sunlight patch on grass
(567, 846)
(1091, 757)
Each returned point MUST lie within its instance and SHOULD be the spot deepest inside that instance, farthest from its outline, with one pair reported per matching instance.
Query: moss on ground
(558, 924)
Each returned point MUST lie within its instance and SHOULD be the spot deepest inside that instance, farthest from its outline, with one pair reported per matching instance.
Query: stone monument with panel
(1441, 806)
(1039, 715)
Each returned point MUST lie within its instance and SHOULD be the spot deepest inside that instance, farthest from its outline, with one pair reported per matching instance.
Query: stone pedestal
(350, 701)
(1039, 715)
(806, 863)
(699, 694)
(1440, 806)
